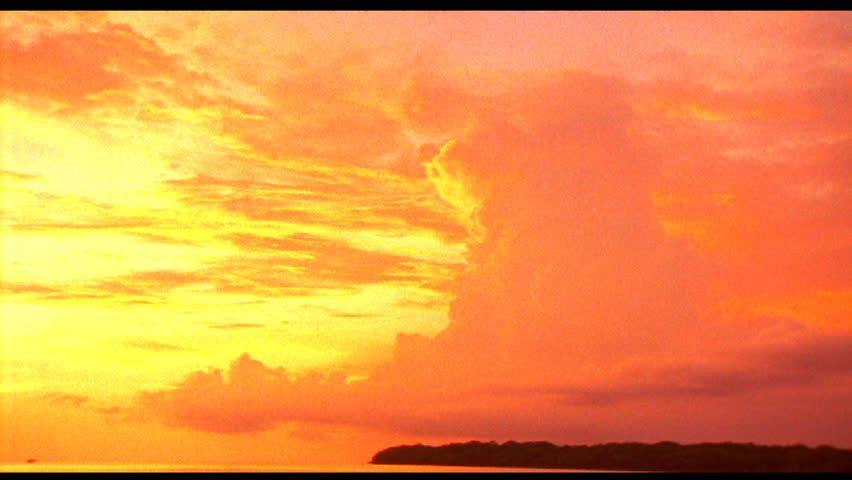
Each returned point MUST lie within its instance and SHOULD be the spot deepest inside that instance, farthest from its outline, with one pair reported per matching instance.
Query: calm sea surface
(66, 467)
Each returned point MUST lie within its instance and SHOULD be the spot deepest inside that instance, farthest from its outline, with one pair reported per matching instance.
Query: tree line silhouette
(662, 456)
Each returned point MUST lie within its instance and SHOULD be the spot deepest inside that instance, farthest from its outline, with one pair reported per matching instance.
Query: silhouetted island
(662, 456)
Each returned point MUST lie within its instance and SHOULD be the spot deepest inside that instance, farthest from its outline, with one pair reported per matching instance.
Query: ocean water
(115, 467)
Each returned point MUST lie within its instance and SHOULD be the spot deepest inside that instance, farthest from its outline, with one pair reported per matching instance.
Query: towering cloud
(577, 298)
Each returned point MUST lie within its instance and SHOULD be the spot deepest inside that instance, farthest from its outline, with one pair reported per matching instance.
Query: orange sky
(297, 238)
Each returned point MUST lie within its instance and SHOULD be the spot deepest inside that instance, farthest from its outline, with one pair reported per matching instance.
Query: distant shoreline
(662, 456)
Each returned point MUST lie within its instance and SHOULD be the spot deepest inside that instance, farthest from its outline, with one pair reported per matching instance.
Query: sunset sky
(298, 238)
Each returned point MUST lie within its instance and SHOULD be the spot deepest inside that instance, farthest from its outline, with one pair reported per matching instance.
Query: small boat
(31, 460)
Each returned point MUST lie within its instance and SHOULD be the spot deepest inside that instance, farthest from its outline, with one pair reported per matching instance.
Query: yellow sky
(179, 246)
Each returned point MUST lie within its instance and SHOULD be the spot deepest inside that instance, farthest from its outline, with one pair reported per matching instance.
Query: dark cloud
(155, 346)
(236, 326)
